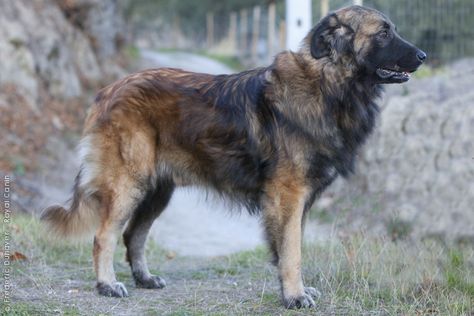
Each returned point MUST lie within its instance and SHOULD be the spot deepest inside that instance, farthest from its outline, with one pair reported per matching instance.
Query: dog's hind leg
(118, 207)
(137, 230)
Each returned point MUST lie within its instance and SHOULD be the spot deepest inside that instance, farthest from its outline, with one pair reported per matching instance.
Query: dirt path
(193, 226)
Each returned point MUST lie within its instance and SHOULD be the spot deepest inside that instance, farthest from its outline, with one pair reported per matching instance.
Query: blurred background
(253, 31)
(415, 177)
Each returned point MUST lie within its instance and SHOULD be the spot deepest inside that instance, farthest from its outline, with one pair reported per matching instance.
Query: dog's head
(368, 40)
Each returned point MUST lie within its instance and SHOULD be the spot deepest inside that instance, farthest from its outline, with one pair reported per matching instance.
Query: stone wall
(418, 168)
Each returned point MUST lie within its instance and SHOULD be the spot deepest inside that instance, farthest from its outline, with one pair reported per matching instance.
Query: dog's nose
(421, 55)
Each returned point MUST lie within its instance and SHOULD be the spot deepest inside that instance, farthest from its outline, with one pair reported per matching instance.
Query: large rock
(44, 50)
(47, 48)
(49, 67)
(18, 63)
(101, 21)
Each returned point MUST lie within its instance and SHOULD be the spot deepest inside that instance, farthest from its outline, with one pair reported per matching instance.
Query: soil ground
(357, 275)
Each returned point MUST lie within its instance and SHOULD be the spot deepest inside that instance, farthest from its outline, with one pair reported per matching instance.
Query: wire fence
(442, 28)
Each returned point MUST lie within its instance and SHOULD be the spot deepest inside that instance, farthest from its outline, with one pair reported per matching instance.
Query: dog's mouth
(390, 75)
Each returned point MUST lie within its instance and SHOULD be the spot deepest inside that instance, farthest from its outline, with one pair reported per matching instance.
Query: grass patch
(169, 50)
(132, 52)
(230, 61)
(322, 215)
(398, 228)
(251, 258)
(34, 308)
(252, 262)
(403, 278)
(455, 271)
(18, 163)
(357, 275)
(31, 239)
(21, 309)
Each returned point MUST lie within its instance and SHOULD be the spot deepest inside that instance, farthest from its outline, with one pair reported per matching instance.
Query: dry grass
(366, 276)
(357, 275)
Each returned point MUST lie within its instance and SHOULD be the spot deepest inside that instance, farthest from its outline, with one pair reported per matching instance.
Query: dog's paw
(314, 293)
(303, 301)
(116, 289)
(153, 282)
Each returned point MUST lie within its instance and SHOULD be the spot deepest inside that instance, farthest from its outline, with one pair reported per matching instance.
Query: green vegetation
(398, 229)
(426, 72)
(28, 309)
(143, 12)
(357, 275)
(400, 278)
(230, 61)
(322, 215)
(454, 271)
(19, 166)
(132, 52)
(169, 50)
(442, 28)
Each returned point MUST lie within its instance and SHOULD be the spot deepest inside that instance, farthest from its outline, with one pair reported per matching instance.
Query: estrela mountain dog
(270, 139)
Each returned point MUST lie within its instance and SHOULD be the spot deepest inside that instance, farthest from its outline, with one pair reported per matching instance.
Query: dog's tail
(80, 220)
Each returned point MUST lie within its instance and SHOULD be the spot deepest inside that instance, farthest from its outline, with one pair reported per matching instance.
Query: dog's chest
(334, 150)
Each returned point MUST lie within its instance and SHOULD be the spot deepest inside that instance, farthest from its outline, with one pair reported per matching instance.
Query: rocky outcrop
(41, 49)
(49, 61)
(102, 23)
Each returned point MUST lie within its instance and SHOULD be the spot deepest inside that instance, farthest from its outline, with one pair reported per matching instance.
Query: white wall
(298, 22)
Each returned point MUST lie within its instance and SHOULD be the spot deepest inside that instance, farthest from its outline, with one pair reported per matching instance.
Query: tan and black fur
(270, 139)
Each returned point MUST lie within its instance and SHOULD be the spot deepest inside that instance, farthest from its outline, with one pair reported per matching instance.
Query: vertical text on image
(6, 243)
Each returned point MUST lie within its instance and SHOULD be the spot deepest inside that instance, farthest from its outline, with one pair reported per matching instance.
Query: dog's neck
(333, 95)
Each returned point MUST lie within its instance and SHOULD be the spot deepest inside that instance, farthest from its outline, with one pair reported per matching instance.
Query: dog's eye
(383, 34)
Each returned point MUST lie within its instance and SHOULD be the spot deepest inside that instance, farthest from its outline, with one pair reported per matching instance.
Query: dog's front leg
(283, 216)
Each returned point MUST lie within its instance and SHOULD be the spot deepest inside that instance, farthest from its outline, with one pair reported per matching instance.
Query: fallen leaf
(17, 256)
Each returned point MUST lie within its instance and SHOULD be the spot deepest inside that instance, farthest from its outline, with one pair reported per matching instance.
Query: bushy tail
(80, 220)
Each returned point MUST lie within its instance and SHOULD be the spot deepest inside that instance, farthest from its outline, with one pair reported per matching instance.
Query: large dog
(270, 139)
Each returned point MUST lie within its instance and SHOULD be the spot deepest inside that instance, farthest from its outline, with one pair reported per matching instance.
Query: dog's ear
(329, 37)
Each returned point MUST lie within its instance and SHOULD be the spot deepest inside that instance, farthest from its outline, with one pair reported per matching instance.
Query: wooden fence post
(255, 32)
(210, 29)
(282, 33)
(176, 32)
(233, 32)
(271, 34)
(324, 8)
(298, 22)
(243, 32)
